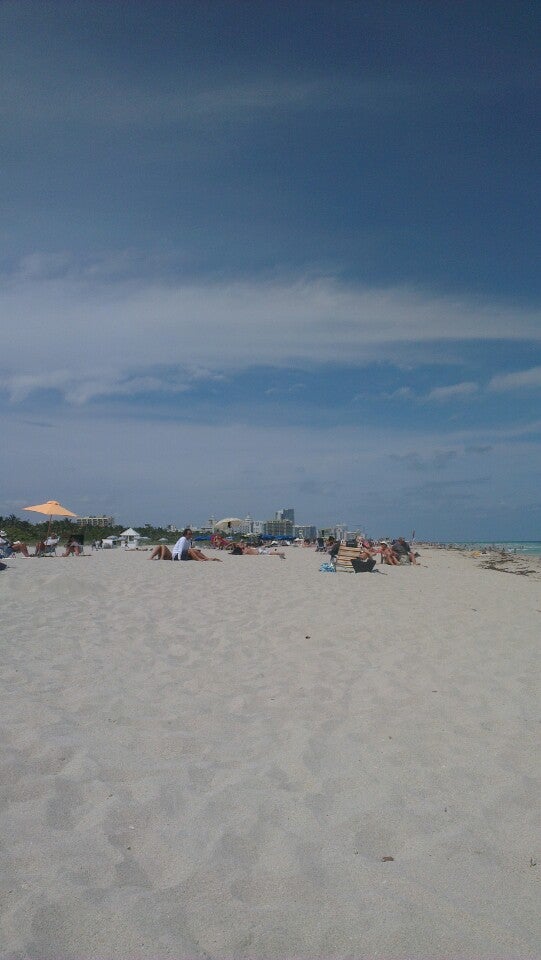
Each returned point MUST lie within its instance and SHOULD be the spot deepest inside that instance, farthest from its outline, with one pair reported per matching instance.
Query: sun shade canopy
(52, 509)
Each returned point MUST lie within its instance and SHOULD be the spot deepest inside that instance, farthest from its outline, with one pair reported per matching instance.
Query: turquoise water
(529, 548)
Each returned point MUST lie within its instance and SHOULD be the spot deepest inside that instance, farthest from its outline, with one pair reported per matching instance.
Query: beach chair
(349, 560)
(342, 560)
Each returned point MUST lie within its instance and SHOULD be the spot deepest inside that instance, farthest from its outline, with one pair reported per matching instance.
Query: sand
(257, 760)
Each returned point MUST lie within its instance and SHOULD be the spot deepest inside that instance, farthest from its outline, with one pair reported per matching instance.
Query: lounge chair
(44, 549)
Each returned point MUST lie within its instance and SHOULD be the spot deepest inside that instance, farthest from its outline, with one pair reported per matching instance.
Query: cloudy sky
(257, 255)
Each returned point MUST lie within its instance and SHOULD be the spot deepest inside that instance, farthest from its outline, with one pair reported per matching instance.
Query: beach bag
(327, 568)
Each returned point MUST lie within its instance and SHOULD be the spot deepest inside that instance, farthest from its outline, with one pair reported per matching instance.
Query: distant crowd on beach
(389, 552)
(392, 553)
(184, 549)
(73, 546)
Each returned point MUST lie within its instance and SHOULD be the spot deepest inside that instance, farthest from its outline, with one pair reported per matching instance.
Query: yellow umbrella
(51, 509)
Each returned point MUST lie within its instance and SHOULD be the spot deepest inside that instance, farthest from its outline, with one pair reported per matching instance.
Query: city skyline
(254, 253)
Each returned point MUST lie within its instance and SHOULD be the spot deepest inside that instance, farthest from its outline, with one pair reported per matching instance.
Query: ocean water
(528, 548)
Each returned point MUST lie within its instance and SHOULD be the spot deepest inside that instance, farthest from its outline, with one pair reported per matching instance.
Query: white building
(131, 538)
(95, 521)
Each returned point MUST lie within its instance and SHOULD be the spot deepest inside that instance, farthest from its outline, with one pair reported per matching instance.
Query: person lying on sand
(270, 552)
(242, 549)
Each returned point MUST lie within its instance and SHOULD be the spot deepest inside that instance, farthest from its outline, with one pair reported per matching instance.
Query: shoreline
(521, 564)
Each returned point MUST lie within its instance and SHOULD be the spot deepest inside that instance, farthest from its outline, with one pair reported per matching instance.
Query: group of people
(395, 552)
(183, 550)
(390, 553)
(72, 547)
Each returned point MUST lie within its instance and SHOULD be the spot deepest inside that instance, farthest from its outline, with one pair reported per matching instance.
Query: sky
(257, 255)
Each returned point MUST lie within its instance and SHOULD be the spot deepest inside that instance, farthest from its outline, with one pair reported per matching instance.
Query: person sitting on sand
(49, 545)
(333, 547)
(219, 543)
(387, 555)
(182, 550)
(402, 549)
(161, 552)
(13, 546)
(73, 548)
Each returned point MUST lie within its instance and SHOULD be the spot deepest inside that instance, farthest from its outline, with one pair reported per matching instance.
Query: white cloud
(79, 323)
(52, 94)
(520, 379)
(454, 392)
(79, 390)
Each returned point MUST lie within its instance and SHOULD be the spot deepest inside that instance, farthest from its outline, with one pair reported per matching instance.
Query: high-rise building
(278, 528)
(308, 531)
(247, 525)
(95, 521)
(287, 513)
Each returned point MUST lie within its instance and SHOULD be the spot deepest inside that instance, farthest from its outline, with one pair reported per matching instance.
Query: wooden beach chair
(343, 560)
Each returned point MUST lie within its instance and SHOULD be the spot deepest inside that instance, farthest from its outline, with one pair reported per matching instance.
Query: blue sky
(257, 255)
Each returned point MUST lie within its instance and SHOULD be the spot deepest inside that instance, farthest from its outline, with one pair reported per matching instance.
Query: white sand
(211, 760)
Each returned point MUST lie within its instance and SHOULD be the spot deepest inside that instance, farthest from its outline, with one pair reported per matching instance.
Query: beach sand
(254, 759)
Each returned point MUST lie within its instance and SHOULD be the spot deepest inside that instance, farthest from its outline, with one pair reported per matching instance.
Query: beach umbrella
(51, 509)
(227, 523)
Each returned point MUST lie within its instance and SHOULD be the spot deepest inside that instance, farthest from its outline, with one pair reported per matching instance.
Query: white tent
(130, 537)
(110, 542)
